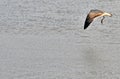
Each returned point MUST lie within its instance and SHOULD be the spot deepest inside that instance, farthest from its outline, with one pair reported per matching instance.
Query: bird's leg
(102, 19)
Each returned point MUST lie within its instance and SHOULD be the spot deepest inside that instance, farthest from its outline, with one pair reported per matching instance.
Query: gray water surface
(45, 39)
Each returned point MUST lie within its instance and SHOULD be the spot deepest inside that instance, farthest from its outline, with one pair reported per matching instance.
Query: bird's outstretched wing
(87, 21)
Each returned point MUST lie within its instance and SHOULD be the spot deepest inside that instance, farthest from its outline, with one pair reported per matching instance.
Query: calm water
(45, 39)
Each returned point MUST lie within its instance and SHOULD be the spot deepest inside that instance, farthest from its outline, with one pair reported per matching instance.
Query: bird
(93, 14)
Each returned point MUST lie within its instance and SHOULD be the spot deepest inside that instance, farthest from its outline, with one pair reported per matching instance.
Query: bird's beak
(111, 15)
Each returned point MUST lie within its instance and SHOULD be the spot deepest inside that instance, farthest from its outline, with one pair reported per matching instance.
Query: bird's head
(106, 14)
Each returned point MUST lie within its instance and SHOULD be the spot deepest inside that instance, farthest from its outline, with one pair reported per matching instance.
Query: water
(45, 39)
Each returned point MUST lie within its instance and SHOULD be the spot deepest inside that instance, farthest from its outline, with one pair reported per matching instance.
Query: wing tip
(85, 28)
(86, 25)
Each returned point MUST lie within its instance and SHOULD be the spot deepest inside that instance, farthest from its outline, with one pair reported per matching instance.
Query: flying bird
(93, 14)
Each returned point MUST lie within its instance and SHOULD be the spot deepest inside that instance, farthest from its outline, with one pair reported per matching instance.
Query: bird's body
(93, 14)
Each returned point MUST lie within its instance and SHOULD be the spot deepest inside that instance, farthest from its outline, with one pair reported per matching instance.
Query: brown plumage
(93, 14)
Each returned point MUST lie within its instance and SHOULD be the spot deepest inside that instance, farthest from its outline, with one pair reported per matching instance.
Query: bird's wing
(87, 21)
